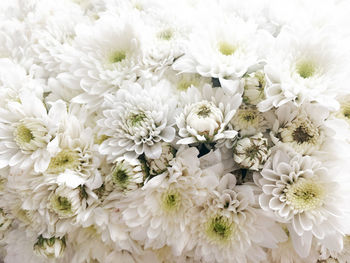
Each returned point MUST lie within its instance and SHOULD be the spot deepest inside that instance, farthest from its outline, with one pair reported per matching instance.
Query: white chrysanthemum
(137, 121)
(206, 116)
(251, 152)
(126, 175)
(342, 256)
(303, 67)
(254, 86)
(302, 128)
(105, 55)
(217, 49)
(158, 215)
(50, 248)
(27, 131)
(344, 111)
(230, 228)
(5, 221)
(248, 121)
(75, 160)
(302, 192)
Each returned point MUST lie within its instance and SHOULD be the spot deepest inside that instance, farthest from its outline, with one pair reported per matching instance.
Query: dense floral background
(174, 131)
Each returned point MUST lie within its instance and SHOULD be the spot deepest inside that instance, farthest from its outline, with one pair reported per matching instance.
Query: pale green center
(204, 111)
(136, 119)
(66, 159)
(23, 135)
(120, 176)
(226, 48)
(61, 205)
(184, 85)
(305, 195)
(166, 34)
(171, 201)
(346, 111)
(306, 69)
(220, 229)
(117, 56)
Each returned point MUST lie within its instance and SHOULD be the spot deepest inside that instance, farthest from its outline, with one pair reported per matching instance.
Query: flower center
(203, 111)
(166, 34)
(23, 134)
(61, 205)
(65, 159)
(220, 229)
(136, 119)
(117, 56)
(301, 135)
(226, 48)
(120, 176)
(306, 69)
(171, 201)
(305, 195)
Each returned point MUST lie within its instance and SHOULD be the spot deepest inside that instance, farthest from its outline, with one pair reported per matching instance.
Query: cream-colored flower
(251, 152)
(50, 248)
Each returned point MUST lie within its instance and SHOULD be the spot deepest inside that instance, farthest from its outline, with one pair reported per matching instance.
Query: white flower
(302, 193)
(27, 132)
(137, 121)
(230, 228)
(206, 116)
(105, 56)
(5, 221)
(52, 247)
(251, 152)
(248, 121)
(158, 215)
(126, 175)
(184, 81)
(254, 86)
(302, 128)
(220, 50)
(342, 256)
(303, 66)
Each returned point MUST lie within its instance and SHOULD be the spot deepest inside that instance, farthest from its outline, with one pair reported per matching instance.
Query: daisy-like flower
(301, 192)
(230, 228)
(137, 121)
(248, 121)
(223, 51)
(166, 200)
(206, 116)
(105, 56)
(303, 67)
(27, 132)
(75, 160)
(301, 128)
(50, 248)
(254, 87)
(251, 152)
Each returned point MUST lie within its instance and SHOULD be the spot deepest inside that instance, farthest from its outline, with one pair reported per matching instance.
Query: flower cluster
(174, 131)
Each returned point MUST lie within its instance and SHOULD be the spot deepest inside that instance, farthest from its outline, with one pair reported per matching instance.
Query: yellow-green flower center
(171, 201)
(120, 176)
(117, 56)
(305, 194)
(136, 119)
(226, 48)
(61, 205)
(23, 135)
(220, 229)
(65, 159)
(306, 69)
(166, 34)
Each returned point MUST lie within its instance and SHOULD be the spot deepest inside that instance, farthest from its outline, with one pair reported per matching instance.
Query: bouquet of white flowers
(174, 131)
